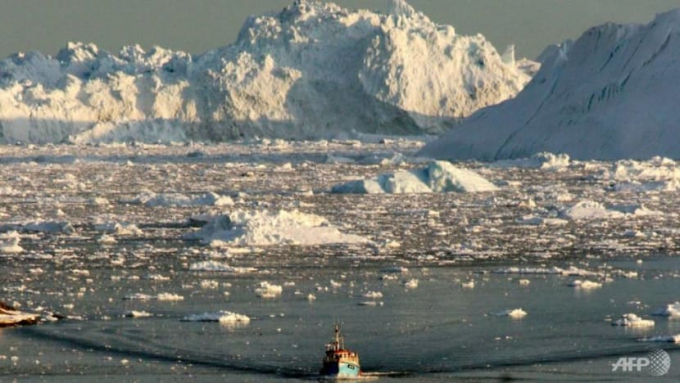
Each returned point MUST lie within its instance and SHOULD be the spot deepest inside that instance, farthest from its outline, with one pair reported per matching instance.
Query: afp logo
(657, 363)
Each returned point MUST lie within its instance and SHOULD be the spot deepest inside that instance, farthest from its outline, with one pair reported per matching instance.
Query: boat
(339, 362)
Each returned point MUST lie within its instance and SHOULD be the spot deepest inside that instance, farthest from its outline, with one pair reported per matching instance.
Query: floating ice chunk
(106, 240)
(524, 282)
(223, 317)
(169, 297)
(545, 161)
(159, 297)
(373, 295)
(513, 313)
(371, 303)
(137, 314)
(263, 228)
(632, 320)
(267, 290)
(411, 284)
(311, 297)
(176, 199)
(220, 267)
(209, 284)
(10, 246)
(671, 310)
(437, 177)
(594, 210)
(541, 221)
(11, 317)
(118, 228)
(468, 285)
(585, 285)
(51, 227)
(590, 210)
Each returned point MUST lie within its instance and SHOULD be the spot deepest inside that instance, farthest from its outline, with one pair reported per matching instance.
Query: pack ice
(611, 94)
(314, 69)
(437, 177)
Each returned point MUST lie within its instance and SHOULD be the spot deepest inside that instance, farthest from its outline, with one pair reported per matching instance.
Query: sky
(196, 26)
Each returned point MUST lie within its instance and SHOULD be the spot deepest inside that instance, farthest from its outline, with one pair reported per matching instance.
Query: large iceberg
(611, 94)
(312, 70)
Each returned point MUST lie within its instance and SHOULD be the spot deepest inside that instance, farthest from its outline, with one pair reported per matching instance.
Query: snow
(437, 177)
(223, 317)
(312, 70)
(632, 320)
(611, 94)
(267, 228)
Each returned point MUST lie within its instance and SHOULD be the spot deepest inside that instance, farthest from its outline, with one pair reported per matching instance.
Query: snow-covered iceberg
(266, 228)
(312, 70)
(611, 94)
(437, 177)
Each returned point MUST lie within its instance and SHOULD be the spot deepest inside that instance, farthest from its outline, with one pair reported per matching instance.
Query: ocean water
(440, 330)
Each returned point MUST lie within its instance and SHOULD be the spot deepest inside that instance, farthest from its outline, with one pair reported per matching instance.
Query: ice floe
(671, 310)
(545, 161)
(11, 317)
(160, 297)
(220, 267)
(223, 317)
(512, 313)
(177, 199)
(265, 228)
(437, 177)
(585, 285)
(585, 210)
(632, 320)
(137, 314)
(10, 245)
(268, 291)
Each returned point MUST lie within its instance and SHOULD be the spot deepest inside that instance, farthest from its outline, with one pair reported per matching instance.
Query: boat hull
(341, 370)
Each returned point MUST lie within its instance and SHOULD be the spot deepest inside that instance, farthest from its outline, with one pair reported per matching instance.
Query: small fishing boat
(339, 362)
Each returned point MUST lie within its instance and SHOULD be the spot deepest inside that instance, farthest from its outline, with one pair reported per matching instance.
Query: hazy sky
(196, 26)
